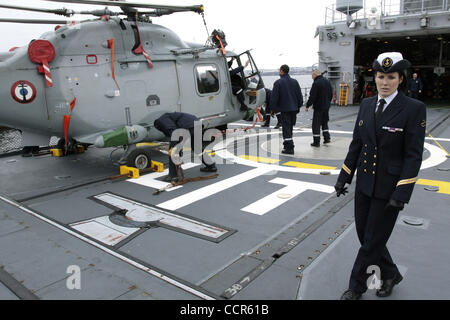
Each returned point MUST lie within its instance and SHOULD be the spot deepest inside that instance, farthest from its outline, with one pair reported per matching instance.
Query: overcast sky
(278, 31)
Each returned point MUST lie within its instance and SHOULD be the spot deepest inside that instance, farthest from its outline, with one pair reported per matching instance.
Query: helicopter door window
(253, 79)
(207, 79)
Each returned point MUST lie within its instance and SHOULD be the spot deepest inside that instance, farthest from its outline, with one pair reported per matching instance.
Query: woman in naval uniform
(386, 151)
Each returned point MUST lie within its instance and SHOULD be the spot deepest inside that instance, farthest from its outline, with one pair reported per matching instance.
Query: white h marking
(293, 187)
(210, 190)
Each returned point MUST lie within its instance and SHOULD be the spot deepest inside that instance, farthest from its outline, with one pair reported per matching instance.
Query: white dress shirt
(388, 100)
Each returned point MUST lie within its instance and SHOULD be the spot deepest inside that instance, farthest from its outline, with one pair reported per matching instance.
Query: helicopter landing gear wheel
(140, 159)
(71, 146)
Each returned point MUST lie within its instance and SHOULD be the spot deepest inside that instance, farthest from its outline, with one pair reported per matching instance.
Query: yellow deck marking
(259, 159)
(444, 186)
(148, 144)
(307, 165)
(437, 142)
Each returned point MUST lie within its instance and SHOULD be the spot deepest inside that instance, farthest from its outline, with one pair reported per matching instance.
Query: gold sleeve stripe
(346, 169)
(407, 181)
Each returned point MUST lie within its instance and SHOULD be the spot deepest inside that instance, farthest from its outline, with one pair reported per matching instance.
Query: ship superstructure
(356, 32)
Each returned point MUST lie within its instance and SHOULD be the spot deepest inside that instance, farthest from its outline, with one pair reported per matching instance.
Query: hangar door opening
(428, 54)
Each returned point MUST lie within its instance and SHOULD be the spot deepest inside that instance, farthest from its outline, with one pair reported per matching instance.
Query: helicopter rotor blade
(195, 8)
(62, 12)
(34, 21)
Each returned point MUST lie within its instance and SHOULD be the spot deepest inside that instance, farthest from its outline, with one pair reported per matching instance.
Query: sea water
(304, 80)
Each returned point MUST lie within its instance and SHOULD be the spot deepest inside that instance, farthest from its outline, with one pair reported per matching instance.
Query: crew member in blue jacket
(167, 124)
(320, 98)
(415, 86)
(386, 151)
(287, 98)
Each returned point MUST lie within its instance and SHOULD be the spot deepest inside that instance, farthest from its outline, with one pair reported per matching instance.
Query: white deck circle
(336, 150)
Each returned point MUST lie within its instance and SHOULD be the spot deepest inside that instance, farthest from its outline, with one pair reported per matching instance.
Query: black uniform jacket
(415, 85)
(286, 95)
(321, 94)
(387, 158)
(169, 122)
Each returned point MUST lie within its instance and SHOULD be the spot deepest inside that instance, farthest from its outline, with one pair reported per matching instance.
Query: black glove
(395, 204)
(340, 189)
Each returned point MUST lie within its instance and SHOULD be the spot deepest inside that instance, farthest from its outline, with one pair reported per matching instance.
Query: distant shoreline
(276, 73)
(299, 71)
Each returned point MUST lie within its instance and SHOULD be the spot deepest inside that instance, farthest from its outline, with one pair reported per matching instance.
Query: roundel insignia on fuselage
(23, 91)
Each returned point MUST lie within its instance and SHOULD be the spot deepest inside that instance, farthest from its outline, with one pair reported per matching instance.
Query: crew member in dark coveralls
(167, 124)
(415, 86)
(320, 98)
(268, 113)
(236, 83)
(386, 151)
(287, 98)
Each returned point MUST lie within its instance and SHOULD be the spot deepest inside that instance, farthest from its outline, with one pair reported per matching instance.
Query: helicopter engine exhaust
(122, 136)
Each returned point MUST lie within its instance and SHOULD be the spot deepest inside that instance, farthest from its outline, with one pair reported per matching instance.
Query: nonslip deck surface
(269, 227)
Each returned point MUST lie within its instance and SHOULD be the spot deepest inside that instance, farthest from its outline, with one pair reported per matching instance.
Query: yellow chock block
(157, 166)
(134, 172)
(56, 152)
(80, 148)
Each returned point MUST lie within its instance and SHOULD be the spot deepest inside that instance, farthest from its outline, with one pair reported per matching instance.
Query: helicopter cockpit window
(207, 79)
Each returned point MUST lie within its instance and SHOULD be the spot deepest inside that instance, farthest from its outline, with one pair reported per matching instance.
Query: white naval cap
(390, 62)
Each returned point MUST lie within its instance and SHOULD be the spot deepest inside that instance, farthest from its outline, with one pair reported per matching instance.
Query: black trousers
(288, 120)
(320, 120)
(414, 94)
(374, 225)
(172, 167)
(239, 93)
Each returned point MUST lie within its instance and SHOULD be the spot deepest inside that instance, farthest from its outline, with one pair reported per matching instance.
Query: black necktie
(381, 105)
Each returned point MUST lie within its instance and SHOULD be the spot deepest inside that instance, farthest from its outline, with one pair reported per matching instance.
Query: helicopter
(103, 82)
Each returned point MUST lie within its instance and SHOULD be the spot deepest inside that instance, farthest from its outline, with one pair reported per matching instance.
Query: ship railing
(386, 8)
(306, 92)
